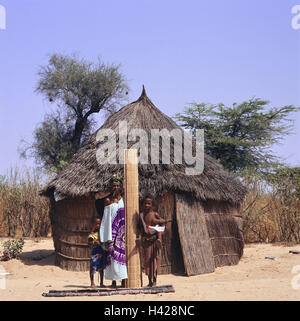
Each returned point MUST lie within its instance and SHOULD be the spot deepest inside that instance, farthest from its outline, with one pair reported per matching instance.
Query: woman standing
(112, 232)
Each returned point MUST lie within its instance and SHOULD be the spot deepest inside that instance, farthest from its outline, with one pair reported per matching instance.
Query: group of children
(151, 227)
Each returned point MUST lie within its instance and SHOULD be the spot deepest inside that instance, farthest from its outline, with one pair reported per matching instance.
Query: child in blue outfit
(98, 255)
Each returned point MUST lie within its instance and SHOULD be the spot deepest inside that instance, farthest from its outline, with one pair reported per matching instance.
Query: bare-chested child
(152, 227)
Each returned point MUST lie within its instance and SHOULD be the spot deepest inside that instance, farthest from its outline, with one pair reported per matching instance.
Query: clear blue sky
(183, 51)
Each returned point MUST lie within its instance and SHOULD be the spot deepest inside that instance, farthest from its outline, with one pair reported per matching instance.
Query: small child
(98, 255)
(152, 229)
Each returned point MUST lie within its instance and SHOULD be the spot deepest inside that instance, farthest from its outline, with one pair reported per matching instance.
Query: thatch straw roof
(84, 175)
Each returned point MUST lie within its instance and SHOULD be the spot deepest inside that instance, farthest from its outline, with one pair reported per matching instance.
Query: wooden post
(131, 218)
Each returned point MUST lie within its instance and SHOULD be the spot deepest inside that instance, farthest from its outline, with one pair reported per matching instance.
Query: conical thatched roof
(84, 175)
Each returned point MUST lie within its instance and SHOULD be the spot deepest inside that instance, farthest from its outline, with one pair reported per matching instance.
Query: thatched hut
(207, 225)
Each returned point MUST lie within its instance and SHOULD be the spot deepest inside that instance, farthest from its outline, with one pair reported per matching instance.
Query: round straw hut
(206, 231)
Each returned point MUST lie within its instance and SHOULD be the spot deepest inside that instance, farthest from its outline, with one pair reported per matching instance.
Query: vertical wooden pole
(131, 218)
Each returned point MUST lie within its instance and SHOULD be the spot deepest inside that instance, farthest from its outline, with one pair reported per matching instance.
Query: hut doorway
(172, 259)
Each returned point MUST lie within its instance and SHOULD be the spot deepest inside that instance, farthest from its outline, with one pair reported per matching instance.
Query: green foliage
(52, 142)
(12, 249)
(2, 180)
(81, 86)
(80, 89)
(241, 136)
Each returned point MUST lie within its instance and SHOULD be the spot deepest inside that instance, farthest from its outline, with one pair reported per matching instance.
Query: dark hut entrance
(172, 259)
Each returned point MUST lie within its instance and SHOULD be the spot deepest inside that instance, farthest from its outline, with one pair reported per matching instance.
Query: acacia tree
(80, 89)
(52, 145)
(240, 137)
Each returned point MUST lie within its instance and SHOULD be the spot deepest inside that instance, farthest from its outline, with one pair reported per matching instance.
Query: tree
(52, 145)
(240, 137)
(286, 174)
(80, 89)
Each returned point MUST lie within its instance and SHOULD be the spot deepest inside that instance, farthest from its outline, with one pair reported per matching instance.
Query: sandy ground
(254, 278)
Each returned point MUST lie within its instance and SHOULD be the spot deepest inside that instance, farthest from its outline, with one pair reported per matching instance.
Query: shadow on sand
(107, 287)
(79, 286)
(38, 257)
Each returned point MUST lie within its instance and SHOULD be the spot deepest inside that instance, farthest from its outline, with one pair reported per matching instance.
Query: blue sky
(182, 51)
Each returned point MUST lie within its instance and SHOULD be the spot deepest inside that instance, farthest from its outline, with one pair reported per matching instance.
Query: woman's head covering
(116, 179)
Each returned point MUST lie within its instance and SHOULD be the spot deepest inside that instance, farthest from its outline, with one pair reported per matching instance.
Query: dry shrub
(23, 211)
(285, 208)
(271, 211)
(12, 249)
